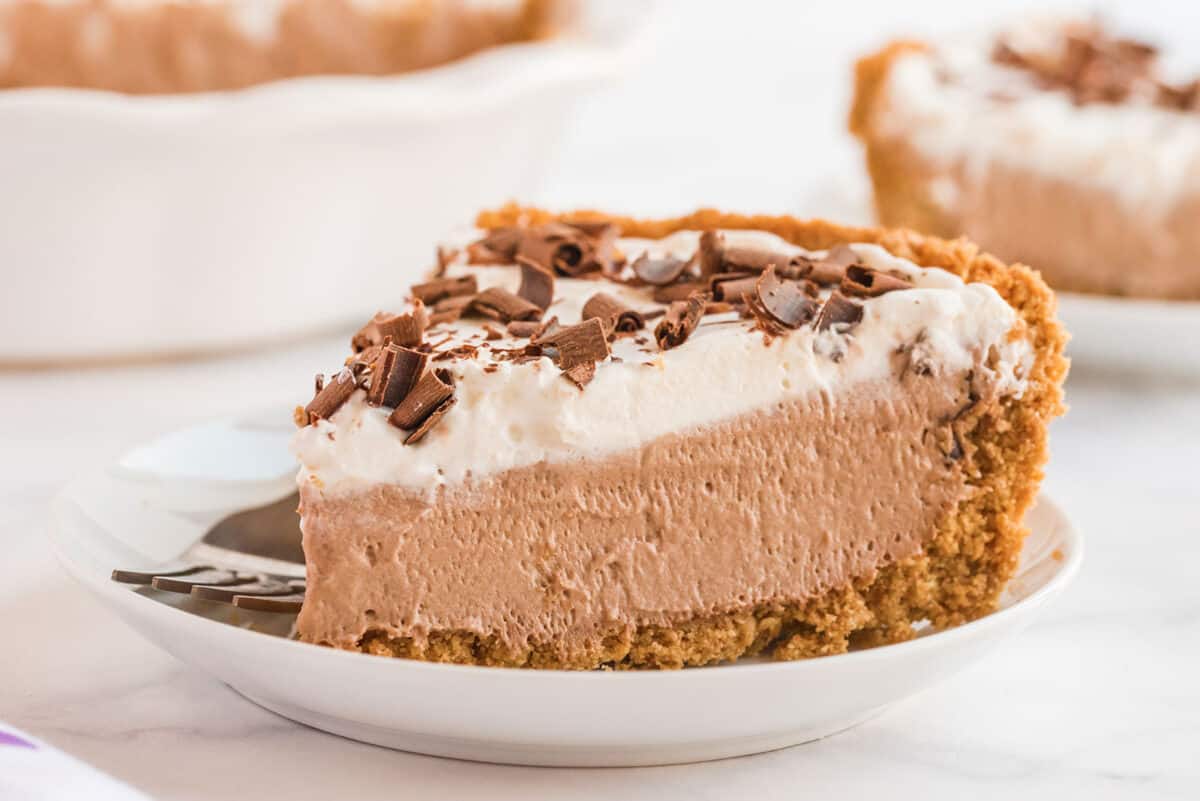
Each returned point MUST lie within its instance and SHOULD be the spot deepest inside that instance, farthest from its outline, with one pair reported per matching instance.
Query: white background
(739, 105)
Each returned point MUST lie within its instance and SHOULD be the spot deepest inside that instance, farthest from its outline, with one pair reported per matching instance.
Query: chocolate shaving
(492, 333)
(396, 376)
(614, 314)
(498, 246)
(332, 395)
(560, 248)
(431, 292)
(444, 257)
(830, 270)
(403, 329)
(734, 287)
(577, 344)
(747, 258)
(502, 305)
(674, 292)
(430, 422)
(659, 270)
(430, 392)
(545, 329)
(448, 310)
(537, 283)
(1094, 67)
(866, 282)
(523, 328)
(839, 310)
(711, 253)
(681, 320)
(780, 304)
(581, 374)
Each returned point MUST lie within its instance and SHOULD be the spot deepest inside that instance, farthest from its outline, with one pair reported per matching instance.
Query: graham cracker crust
(964, 566)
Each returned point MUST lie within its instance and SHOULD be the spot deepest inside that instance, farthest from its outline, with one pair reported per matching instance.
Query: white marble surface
(1100, 700)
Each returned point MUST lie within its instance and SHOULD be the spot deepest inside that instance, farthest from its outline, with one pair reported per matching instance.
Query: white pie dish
(162, 225)
(159, 500)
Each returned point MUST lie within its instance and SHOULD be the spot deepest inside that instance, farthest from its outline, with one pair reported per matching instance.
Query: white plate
(158, 501)
(188, 223)
(1128, 334)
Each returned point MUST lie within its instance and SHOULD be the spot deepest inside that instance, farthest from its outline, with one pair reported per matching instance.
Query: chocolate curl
(403, 329)
(581, 374)
(445, 256)
(681, 291)
(734, 287)
(502, 305)
(523, 328)
(839, 310)
(577, 344)
(430, 422)
(658, 271)
(614, 314)
(780, 304)
(331, 396)
(681, 320)
(397, 373)
(866, 282)
(711, 253)
(498, 246)
(537, 283)
(438, 289)
(560, 248)
(448, 310)
(432, 390)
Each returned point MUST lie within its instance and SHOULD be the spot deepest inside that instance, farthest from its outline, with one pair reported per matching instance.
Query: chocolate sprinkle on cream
(658, 271)
(430, 392)
(614, 314)
(681, 320)
(438, 289)
(333, 394)
(537, 283)
(780, 304)
(502, 305)
(866, 282)
(839, 310)
(577, 344)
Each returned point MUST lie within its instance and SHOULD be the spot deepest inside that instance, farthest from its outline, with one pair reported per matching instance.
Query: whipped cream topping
(963, 112)
(510, 415)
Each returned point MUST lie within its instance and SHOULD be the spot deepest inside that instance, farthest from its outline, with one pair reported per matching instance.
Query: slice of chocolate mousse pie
(1058, 141)
(588, 441)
